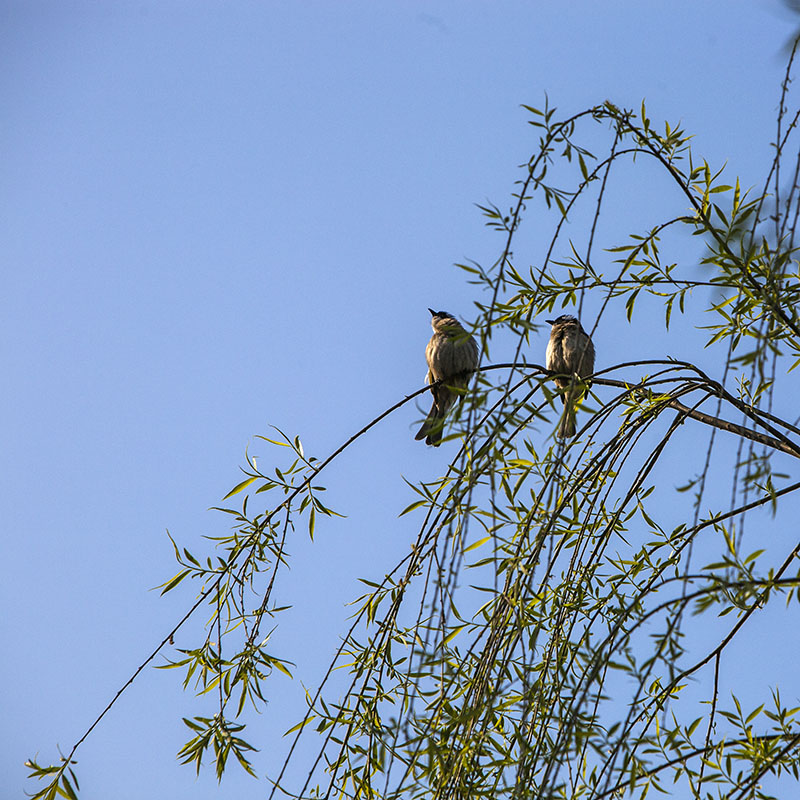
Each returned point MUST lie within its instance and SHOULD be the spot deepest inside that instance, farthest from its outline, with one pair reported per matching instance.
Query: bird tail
(431, 430)
(566, 429)
(571, 397)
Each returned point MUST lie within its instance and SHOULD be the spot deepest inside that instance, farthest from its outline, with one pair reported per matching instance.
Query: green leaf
(239, 486)
(416, 504)
(280, 666)
(300, 725)
(452, 635)
(173, 582)
(477, 544)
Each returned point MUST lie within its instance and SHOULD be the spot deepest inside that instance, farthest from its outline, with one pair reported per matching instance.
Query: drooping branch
(640, 391)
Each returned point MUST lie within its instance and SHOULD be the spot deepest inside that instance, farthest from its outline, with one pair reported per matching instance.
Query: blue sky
(218, 217)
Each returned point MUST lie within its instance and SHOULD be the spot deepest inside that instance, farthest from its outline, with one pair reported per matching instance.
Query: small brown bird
(570, 352)
(452, 356)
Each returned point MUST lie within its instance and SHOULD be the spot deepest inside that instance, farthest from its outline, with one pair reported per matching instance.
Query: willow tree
(561, 623)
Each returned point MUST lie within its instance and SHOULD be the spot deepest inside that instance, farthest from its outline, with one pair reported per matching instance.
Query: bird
(452, 356)
(570, 352)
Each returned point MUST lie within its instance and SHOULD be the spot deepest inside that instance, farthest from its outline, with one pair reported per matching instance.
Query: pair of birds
(452, 356)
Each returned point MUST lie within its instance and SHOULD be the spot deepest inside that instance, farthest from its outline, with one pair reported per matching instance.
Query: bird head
(444, 322)
(564, 319)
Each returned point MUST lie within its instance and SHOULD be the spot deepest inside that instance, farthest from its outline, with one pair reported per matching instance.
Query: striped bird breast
(449, 356)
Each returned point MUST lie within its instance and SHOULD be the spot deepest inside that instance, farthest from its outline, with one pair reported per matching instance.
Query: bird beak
(550, 321)
(433, 313)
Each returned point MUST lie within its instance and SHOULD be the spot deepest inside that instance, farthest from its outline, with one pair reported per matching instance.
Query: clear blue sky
(221, 216)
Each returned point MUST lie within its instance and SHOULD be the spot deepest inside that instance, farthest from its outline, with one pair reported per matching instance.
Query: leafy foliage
(550, 634)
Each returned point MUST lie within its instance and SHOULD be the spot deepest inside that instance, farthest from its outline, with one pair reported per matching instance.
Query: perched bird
(570, 352)
(452, 356)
